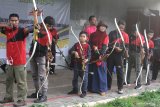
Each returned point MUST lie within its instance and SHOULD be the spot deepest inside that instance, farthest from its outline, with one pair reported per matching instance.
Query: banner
(58, 9)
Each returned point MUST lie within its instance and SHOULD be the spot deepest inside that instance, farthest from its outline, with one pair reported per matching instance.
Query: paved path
(60, 84)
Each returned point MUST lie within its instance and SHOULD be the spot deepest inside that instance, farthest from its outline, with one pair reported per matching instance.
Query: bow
(55, 64)
(147, 44)
(35, 33)
(61, 53)
(139, 35)
(49, 54)
(123, 42)
(104, 57)
(48, 60)
(83, 57)
(48, 35)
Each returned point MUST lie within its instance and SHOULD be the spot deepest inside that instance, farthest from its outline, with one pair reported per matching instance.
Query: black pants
(156, 68)
(90, 78)
(115, 60)
(52, 67)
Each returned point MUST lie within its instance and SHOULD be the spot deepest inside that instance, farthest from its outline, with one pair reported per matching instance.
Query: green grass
(146, 99)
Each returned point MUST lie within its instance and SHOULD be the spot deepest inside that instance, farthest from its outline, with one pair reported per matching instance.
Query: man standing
(16, 59)
(148, 54)
(38, 61)
(156, 59)
(116, 58)
(136, 56)
(92, 27)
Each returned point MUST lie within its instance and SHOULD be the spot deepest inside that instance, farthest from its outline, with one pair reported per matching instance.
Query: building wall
(105, 10)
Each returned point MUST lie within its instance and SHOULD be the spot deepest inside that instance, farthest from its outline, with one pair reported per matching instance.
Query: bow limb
(140, 72)
(49, 41)
(48, 59)
(107, 55)
(35, 33)
(76, 38)
(61, 53)
(48, 35)
(83, 57)
(104, 57)
(34, 49)
(139, 35)
(122, 38)
(119, 30)
(83, 65)
(147, 43)
(35, 5)
(78, 42)
(114, 46)
(124, 49)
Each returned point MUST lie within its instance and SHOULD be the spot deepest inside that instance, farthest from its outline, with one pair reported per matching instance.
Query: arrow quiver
(82, 59)
(83, 64)
(142, 55)
(36, 28)
(49, 55)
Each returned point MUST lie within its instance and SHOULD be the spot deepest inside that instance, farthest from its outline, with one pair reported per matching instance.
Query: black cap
(49, 20)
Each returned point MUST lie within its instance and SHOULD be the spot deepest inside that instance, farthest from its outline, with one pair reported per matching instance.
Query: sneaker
(138, 87)
(34, 95)
(102, 93)
(7, 100)
(124, 84)
(19, 103)
(73, 92)
(83, 95)
(52, 73)
(120, 91)
(41, 99)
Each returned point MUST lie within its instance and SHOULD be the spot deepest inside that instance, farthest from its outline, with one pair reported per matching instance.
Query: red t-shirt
(137, 41)
(16, 45)
(90, 29)
(44, 40)
(151, 44)
(54, 34)
(85, 48)
(126, 37)
(115, 36)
